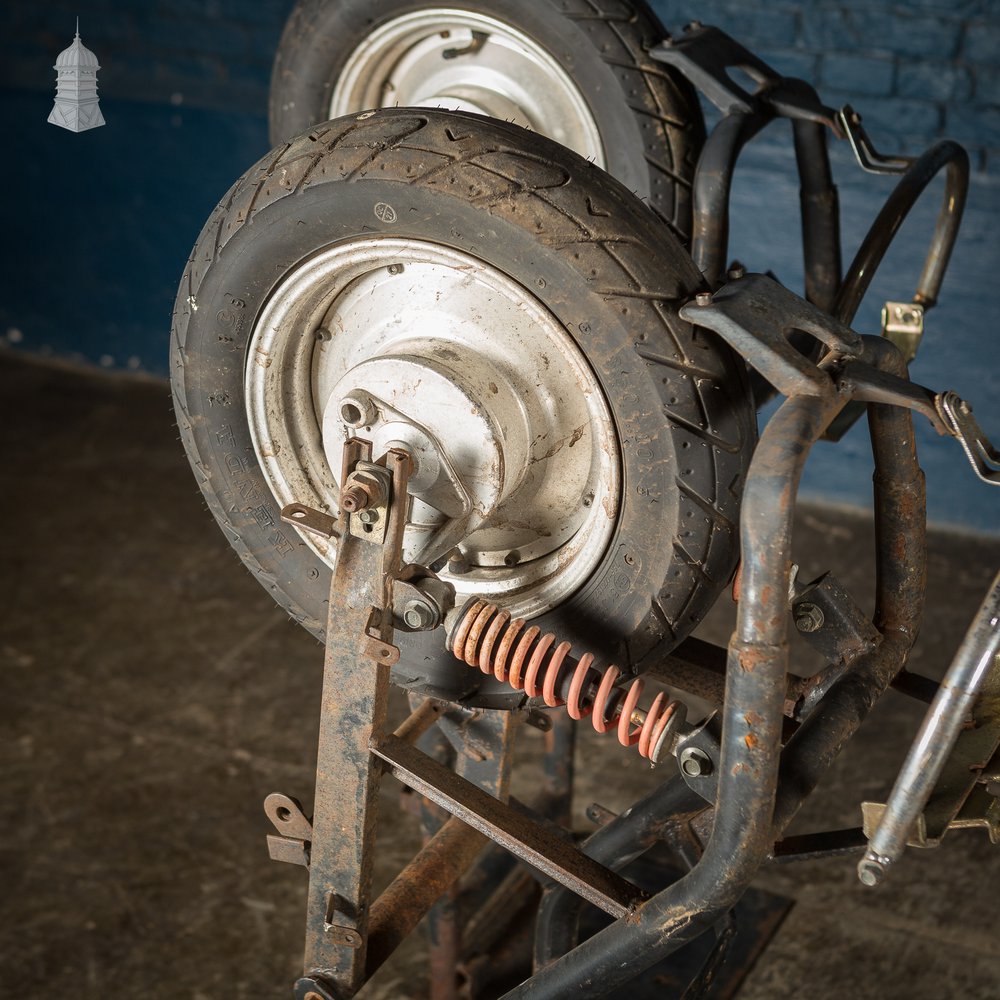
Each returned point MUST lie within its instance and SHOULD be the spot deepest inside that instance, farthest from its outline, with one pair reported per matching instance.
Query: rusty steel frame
(358, 659)
(760, 785)
(778, 734)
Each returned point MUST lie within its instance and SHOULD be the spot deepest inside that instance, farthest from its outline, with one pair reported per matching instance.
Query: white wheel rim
(476, 378)
(456, 59)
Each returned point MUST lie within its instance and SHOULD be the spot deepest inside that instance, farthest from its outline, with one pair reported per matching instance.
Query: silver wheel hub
(515, 489)
(467, 61)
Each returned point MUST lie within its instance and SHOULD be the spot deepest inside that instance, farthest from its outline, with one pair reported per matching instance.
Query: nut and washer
(362, 490)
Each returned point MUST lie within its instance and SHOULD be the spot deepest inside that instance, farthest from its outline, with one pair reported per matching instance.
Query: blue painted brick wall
(204, 53)
(917, 70)
(98, 225)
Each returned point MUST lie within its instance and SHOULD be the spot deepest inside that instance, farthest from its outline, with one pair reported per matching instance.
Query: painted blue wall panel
(101, 223)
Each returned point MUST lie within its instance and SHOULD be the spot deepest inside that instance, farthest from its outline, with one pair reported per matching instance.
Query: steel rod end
(871, 870)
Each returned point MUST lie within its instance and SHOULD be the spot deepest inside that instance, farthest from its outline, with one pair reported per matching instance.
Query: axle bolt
(808, 617)
(354, 498)
(419, 615)
(695, 763)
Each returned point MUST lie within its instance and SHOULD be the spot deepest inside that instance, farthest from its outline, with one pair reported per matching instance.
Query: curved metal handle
(943, 155)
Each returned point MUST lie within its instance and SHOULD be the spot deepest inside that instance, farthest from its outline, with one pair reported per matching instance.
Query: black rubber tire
(590, 251)
(648, 116)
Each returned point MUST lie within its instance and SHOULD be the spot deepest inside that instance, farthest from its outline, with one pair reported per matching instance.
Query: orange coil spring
(487, 638)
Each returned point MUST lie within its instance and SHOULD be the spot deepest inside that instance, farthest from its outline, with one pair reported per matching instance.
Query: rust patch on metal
(750, 659)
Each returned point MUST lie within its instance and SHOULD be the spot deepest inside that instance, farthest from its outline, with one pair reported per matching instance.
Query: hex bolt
(695, 763)
(808, 617)
(368, 516)
(419, 615)
(703, 298)
(736, 271)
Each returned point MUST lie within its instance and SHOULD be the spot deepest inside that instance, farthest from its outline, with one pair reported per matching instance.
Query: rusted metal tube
(900, 499)
(755, 687)
(628, 836)
(935, 740)
(901, 579)
(820, 207)
(713, 180)
(900, 520)
(419, 721)
(438, 865)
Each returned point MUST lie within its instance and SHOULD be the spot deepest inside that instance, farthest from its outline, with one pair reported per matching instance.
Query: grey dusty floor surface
(152, 695)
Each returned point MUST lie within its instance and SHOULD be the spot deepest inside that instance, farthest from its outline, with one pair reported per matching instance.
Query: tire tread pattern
(616, 238)
(622, 32)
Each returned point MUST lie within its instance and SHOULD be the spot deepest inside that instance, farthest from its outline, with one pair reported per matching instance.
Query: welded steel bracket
(756, 316)
(981, 452)
(903, 324)
(294, 837)
(706, 55)
(869, 158)
(698, 758)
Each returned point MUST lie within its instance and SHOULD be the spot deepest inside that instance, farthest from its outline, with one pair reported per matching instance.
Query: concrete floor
(153, 695)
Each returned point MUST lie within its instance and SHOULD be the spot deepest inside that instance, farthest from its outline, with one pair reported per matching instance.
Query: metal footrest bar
(533, 843)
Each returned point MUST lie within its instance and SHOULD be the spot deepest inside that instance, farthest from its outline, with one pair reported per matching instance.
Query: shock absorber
(529, 660)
